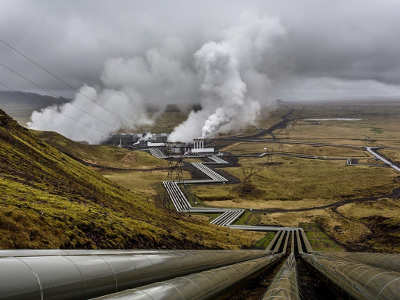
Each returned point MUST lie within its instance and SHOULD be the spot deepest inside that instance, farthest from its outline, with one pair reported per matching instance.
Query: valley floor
(305, 179)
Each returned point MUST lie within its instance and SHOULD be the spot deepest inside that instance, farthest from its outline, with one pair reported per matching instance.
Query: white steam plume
(232, 82)
(157, 77)
(231, 79)
(83, 120)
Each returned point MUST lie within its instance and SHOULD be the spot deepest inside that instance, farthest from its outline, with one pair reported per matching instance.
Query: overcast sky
(331, 49)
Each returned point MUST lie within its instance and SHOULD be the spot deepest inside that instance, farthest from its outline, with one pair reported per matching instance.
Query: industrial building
(139, 140)
(197, 147)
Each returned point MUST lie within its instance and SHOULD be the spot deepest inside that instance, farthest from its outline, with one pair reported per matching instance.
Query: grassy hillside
(101, 155)
(49, 200)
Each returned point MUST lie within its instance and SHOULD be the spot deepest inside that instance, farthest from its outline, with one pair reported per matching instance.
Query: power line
(41, 88)
(27, 79)
(55, 76)
(5, 85)
(8, 45)
(20, 75)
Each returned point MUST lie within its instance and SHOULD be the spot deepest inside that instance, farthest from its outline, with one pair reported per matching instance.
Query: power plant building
(199, 147)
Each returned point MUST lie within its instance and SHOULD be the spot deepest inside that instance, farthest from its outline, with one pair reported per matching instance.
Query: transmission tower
(270, 155)
(268, 151)
(175, 170)
(175, 173)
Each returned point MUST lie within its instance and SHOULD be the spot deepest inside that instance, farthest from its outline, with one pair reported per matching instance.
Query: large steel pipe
(273, 241)
(284, 286)
(198, 286)
(279, 243)
(379, 260)
(359, 280)
(63, 274)
(306, 241)
(299, 246)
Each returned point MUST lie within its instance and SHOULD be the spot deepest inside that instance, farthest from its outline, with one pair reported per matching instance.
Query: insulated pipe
(306, 241)
(198, 286)
(361, 281)
(379, 260)
(378, 156)
(279, 243)
(292, 242)
(63, 274)
(272, 242)
(62, 252)
(286, 242)
(299, 246)
(285, 285)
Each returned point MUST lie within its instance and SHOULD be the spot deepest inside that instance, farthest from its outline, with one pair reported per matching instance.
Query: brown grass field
(258, 147)
(292, 180)
(144, 181)
(294, 183)
(368, 221)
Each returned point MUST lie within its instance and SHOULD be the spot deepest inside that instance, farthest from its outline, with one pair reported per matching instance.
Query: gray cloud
(353, 40)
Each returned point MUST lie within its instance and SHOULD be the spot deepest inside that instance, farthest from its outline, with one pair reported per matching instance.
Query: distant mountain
(20, 105)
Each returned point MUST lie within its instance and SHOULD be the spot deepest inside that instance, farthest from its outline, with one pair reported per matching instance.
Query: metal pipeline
(292, 247)
(198, 286)
(379, 260)
(273, 241)
(279, 243)
(299, 246)
(286, 242)
(359, 280)
(284, 286)
(306, 241)
(81, 274)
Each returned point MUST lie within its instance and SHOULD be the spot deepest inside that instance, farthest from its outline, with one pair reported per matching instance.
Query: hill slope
(100, 154)
(49, 200)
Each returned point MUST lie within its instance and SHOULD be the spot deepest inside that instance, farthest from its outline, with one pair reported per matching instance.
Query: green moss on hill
(100, 154)
(49, 200)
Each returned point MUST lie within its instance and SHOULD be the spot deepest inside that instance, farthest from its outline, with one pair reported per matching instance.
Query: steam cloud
(164, 52)
(129, 85)
(93, 115)
(232, 84)
(225, 76)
